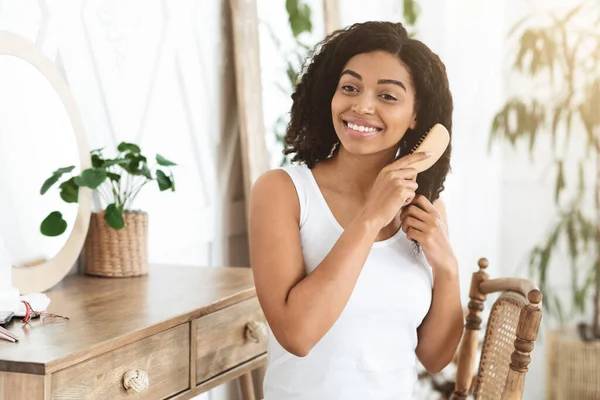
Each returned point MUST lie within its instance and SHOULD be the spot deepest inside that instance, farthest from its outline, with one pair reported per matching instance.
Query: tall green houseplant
(561, 57)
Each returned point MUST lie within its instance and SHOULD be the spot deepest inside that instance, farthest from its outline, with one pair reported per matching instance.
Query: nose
(363, 104)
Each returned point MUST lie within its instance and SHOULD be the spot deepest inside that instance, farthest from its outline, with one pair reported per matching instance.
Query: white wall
(158, 73)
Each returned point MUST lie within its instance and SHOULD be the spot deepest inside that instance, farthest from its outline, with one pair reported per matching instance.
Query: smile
(360, 130)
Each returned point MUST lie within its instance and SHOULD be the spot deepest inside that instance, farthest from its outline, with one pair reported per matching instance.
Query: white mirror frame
(42, 277)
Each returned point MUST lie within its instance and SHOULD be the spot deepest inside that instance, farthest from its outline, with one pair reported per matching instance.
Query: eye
(348, 88)
(388, 97)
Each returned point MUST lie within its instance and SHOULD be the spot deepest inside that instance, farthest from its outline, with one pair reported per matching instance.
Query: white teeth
(360, 128)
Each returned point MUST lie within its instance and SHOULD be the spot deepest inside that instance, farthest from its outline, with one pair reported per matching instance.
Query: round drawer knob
(135, 381)
(256, 331)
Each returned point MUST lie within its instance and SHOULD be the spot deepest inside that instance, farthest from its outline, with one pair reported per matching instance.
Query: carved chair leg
(247, 386)
(470, 340)
(527, 331)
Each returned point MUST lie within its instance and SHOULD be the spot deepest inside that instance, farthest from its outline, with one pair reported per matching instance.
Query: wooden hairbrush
(435, 141)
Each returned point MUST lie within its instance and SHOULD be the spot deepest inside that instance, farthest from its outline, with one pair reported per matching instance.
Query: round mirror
(40, 133)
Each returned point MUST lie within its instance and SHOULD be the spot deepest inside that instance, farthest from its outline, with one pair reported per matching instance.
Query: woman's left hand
(424, 223)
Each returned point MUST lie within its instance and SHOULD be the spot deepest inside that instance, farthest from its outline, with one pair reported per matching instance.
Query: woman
(349, 249)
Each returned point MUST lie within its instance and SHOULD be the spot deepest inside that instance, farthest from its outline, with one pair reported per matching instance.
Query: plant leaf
(54, 178)
(555, 120)
(113, 177)
(135, 165)
(48, 183)
(146, 172)
(571, 13)
(172, 182)
(163, 161)
(163, 180)
(53, 224)
(291, 6)
(581, 183)
(97, 161)
(69, 191)
(114, 217)
(116, 161)
(572, 237)
(560, 181)
(581, 294)
(130, 147)
(91, 177)
(299, 17)
(411, 11)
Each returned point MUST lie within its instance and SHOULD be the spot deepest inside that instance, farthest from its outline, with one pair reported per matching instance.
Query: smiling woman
(350, 300)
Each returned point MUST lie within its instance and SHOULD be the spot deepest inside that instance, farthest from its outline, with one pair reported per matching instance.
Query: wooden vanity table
(186, 329)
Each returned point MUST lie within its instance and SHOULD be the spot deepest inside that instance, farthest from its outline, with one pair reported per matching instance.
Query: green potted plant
(116, 243)
(561, 56)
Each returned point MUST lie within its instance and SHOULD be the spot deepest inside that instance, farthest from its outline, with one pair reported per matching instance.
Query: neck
(357, 173)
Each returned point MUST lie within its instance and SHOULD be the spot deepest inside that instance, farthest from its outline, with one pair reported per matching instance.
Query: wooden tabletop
(107, 313)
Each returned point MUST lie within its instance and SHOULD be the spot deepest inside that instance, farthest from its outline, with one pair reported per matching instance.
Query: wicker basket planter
(573, 367)
(117, 253)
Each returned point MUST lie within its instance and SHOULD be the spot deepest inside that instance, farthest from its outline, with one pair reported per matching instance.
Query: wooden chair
(510, 334)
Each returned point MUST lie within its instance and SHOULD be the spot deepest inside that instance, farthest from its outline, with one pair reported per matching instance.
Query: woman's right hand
(394, 188)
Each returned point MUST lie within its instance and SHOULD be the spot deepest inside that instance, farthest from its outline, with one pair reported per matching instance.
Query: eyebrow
(379, 82)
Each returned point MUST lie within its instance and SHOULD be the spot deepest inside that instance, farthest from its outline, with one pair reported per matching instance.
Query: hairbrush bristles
(434, 141)
(419, 142)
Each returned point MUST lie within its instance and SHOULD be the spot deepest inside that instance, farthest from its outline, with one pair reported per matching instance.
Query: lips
(361, 129)
(362, 122)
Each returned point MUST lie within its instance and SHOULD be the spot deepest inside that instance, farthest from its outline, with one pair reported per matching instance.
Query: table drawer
(229, 337)
(163, 357)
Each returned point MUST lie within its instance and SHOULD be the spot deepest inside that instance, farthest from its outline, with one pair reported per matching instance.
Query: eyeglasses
(31, 313)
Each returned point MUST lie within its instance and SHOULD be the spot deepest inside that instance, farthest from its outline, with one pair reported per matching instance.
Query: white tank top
(369, 353)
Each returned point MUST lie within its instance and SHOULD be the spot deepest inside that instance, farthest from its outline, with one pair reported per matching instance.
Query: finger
(416, 212)
(413, 223)
(405, 173)
(415, 235)
(407, 183)
(409, 159)
(408, 200)
(425, 204)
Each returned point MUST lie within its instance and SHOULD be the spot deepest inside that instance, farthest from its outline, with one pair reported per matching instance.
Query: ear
(413, 124)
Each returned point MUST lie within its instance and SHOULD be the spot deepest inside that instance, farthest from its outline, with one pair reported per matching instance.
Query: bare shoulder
(274, 192)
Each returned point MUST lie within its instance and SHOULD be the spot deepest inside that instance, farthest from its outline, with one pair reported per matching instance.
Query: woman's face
(373, 104)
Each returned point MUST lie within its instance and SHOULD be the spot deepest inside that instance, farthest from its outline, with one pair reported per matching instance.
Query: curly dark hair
(310, 133)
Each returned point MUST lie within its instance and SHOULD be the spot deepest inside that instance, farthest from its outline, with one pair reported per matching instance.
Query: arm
(440, 332)
(300, 309)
